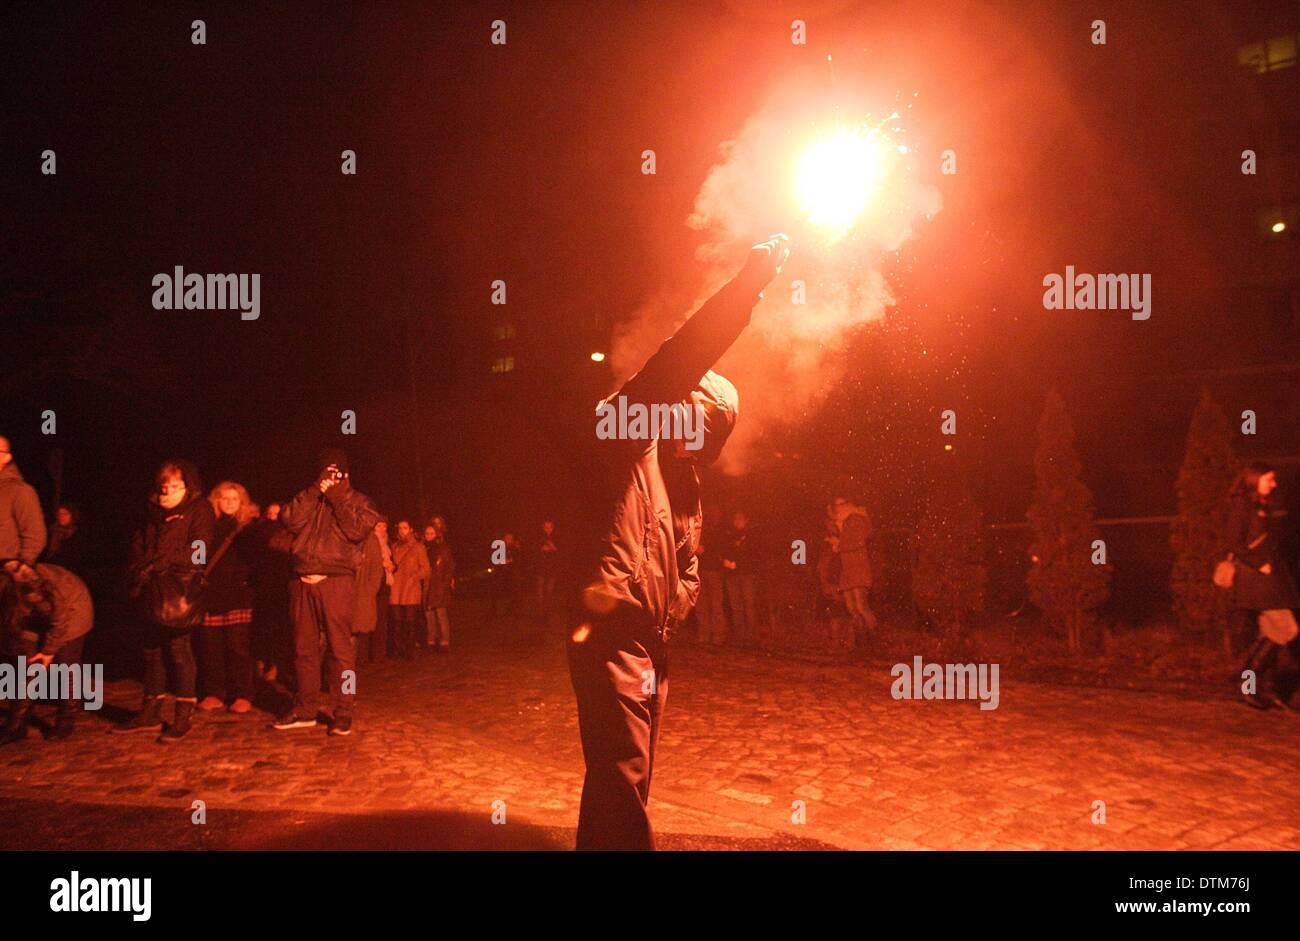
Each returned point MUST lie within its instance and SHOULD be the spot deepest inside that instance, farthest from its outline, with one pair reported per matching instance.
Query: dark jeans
(744, 610)
(405, 618)
(179, 650)
(325, 607)
(221, 648)
(620, 678)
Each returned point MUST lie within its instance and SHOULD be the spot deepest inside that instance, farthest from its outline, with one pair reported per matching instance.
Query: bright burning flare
(837, 176)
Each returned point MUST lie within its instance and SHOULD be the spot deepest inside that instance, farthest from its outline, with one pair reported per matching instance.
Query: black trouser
(179, 650)
(620, 678)
(222, 647)
(325, 607)
(405, 618)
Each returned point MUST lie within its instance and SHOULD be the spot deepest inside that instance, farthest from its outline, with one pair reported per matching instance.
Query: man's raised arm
(679, 364)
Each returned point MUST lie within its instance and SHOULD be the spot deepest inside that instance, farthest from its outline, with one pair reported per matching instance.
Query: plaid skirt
(227, 618)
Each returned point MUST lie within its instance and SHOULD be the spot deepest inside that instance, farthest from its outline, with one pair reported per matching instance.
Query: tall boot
(15, 727)
(148, 719)
(1260, 659)
(181, 726)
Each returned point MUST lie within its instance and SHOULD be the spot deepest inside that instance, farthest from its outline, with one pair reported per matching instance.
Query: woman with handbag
(167, 572)
(1263, 591)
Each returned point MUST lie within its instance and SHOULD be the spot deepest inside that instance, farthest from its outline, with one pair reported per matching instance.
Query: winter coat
(328, 529)
(855, 563)
(229, 582)
(738, 550)
(166, 541)
(67, 547)
(22, 525)
(645, 556)
(437, 590)
(410, 571)
(72, 614)
(1252, 522)
(370, 575)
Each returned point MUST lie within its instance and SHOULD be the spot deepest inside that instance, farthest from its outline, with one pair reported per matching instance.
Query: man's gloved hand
(765, 261)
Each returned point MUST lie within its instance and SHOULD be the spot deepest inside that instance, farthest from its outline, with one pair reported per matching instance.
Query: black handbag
(174, 599)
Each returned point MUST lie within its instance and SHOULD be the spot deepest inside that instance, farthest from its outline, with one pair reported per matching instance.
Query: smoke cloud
(792, 355)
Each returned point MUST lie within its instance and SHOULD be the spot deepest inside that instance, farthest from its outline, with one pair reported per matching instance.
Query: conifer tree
(1198, 537)
(1068, 575)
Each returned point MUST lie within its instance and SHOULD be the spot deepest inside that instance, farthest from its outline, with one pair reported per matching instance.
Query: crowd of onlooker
(228, 597)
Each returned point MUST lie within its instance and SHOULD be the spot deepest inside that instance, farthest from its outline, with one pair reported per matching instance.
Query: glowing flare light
(838, 175)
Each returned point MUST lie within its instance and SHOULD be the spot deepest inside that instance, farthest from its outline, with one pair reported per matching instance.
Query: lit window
(1279, 52)
(504, 364)
(504, 331)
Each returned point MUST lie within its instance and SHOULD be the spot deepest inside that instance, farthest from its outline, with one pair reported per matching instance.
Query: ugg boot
(181, 726)
(148, 719)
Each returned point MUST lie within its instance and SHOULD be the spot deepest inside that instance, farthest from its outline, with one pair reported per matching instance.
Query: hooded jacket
(646, 561)
(328, 529)
(22, 527)
(166, 541)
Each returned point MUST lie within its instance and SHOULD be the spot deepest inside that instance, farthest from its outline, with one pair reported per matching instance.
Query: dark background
(522, 162)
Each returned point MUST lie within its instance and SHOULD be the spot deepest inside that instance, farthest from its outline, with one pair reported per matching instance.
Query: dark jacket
(855, 562)
(329, 529)
(1254, 533)
(67, 547)
(645, 561)
(229, 582)
(442, 570)
(166, 541)
(370, 575)
(22, 526)
(72, 612)
(738, 549)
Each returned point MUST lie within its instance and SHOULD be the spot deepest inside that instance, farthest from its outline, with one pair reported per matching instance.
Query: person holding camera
(329, 522)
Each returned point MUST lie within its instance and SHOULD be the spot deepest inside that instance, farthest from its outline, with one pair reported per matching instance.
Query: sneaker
(293, 721)
(210, 704)
(342, 725)
(241, 706)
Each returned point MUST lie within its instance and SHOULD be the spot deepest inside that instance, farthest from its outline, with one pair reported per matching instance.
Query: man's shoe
(342, 725)
(181, 726)
(210, 704)
(148, 719)
(240, 706)
(293, 721)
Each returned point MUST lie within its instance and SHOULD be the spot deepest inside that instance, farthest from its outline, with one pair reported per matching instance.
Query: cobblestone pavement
(439, 741)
